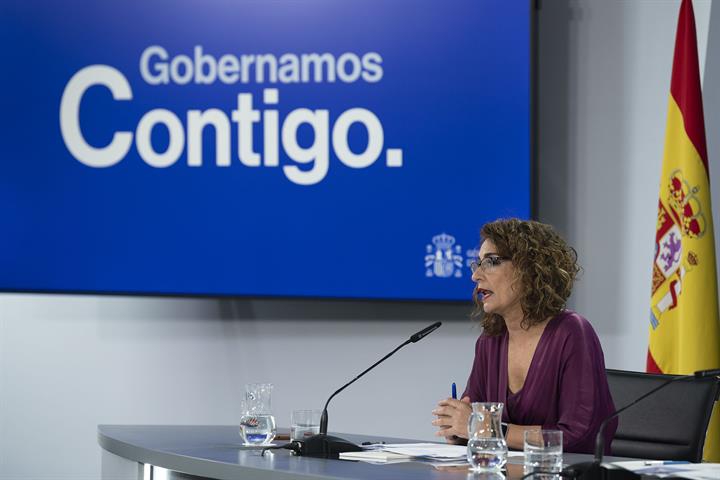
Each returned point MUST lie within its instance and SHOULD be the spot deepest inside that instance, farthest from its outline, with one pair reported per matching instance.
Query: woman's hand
(452, 418)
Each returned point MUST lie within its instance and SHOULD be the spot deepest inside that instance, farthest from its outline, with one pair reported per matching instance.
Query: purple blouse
(566, 385)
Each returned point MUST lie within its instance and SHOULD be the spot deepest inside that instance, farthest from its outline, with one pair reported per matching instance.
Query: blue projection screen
(338, 149)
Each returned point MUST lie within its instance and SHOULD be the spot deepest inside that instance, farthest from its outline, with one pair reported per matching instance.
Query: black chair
(669, 425)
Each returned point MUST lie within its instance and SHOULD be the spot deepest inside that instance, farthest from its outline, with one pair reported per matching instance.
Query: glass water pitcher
(257, 423)
(486, 448)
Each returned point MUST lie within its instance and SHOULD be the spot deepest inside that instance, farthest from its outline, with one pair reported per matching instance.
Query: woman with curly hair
(542, 361)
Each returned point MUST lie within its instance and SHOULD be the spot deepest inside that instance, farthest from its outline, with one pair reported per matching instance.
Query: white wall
(68, 363)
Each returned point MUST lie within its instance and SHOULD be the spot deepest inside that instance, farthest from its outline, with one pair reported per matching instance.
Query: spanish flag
(684, 322)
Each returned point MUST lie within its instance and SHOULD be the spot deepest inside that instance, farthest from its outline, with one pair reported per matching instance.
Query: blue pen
(454, 395)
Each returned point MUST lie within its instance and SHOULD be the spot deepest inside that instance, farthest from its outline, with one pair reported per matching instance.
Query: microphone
(593, 470)
(427, 331)
(327, 446)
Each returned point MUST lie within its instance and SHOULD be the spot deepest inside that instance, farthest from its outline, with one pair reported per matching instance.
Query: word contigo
(157, 68)
(314, 158)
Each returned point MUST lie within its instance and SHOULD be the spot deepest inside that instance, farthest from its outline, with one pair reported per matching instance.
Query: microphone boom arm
(323, 445)
(324, 417)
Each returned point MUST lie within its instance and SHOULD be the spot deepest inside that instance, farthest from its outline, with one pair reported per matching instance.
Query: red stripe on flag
(685, 83)
(651, 366)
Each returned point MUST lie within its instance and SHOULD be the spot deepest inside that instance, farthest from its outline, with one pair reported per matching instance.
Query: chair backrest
(669, 425)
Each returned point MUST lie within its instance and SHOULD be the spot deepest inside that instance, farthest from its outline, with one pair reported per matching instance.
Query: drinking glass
(257, 423)
(304, 423)
(543, 453)
(486, 448)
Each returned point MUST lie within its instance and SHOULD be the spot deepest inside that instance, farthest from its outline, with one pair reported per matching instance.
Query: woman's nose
(476, 275)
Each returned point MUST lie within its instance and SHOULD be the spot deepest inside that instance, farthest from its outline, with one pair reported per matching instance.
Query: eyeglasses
(488, 263)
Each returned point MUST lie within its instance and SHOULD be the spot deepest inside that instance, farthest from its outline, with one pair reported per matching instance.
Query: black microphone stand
(323, 445)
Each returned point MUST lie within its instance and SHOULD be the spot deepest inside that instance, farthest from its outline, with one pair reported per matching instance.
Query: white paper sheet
(427, 450)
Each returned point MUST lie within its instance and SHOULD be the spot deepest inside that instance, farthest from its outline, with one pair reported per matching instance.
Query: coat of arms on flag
(683, 216)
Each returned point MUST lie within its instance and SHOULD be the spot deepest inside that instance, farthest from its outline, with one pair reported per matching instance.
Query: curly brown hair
(546, 266)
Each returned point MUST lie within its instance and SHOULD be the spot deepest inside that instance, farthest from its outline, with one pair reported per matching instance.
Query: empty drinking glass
(257, 424)
(304, 423)
(543, 452)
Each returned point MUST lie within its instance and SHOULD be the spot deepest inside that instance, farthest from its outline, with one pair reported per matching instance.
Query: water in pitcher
(257, 429)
